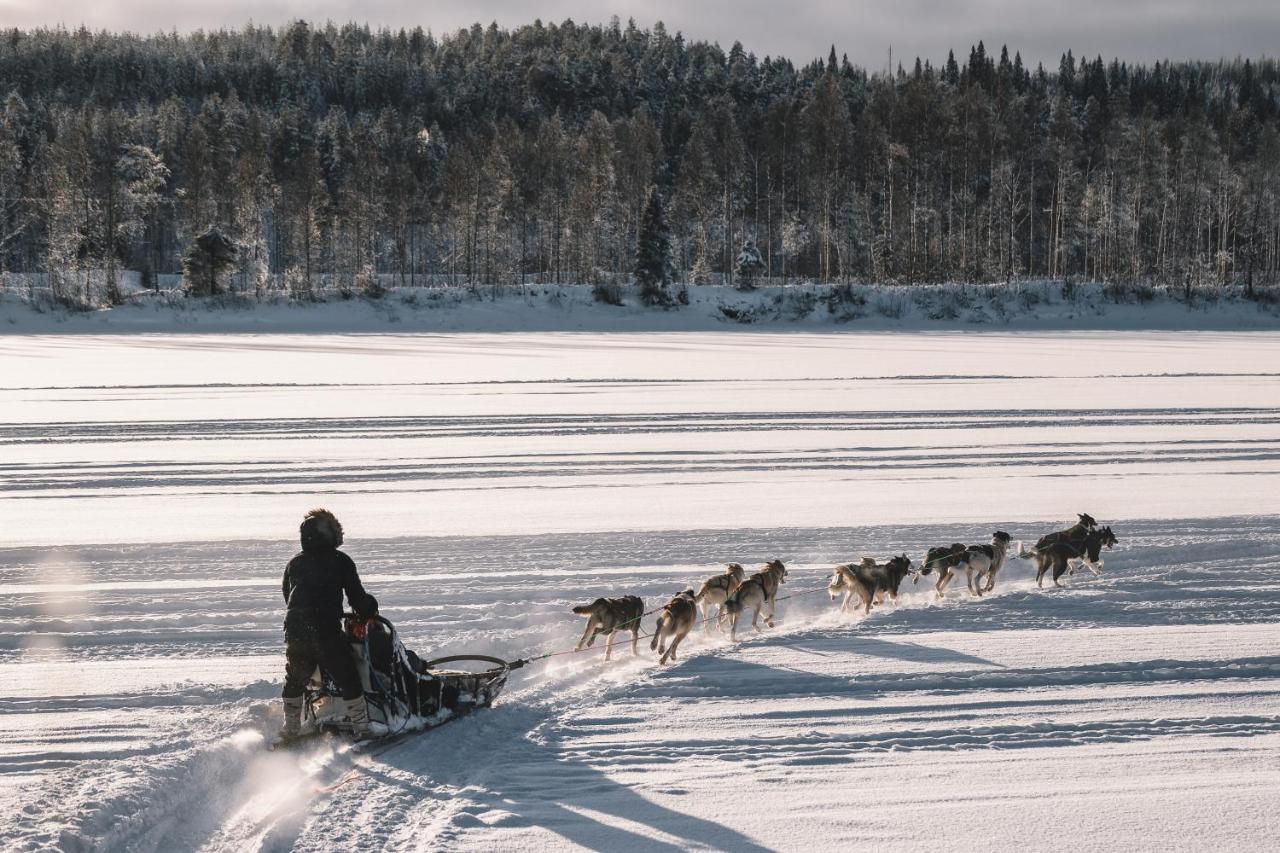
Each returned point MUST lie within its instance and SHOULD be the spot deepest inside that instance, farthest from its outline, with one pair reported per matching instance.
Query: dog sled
(405, 693)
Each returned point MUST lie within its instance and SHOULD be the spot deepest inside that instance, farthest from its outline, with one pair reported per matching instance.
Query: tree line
(340, 157)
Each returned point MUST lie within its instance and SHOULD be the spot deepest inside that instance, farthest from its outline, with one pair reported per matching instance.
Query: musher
(314, 582)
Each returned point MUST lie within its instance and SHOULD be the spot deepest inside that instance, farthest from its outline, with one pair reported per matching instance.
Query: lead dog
(1063, 554)
(868, 581)
(756, 592)
(715, 590)
(1074, 535)
(676, 620)
(609, 615)
(981, 562)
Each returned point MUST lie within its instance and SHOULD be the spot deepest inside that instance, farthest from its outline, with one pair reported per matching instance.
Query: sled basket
(403, 692)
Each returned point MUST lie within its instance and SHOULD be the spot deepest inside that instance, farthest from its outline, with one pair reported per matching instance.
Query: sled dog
(676, 620)
(869, 581)
(942, 560)
(981, 562)
(714, 592)
(1074, 534)
(1064, 554)
(758, 592)
(609, 615)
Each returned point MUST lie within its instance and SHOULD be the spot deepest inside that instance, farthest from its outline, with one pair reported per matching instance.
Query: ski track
(139, 619)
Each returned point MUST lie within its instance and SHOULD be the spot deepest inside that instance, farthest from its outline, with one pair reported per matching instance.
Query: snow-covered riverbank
(1030, 305)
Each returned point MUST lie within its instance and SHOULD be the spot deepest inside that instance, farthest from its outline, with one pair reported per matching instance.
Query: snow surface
(150, 484)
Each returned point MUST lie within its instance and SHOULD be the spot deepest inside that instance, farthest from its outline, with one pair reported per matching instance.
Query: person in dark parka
(314, 582)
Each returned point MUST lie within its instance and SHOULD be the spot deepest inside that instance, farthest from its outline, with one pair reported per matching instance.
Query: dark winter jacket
(314, 582)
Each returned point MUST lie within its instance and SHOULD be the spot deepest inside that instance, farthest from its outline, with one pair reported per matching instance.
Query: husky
(757, 592)
(714, 592)
(869, 581)
(1074, 534)
(981, 562)
(1064, 554)
(941, 559)
(609, 615)
(676, 621)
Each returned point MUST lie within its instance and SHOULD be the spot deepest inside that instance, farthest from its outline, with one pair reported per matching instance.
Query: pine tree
(748, 265)
(210, 255)
(653, 253)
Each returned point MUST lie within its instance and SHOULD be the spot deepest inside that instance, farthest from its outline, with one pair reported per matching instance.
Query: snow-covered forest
(335, 158)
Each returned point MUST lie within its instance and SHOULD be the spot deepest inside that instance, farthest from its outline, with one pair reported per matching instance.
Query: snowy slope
(489, 483)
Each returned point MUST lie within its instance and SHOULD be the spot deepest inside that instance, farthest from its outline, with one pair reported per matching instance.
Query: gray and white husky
(980, 564)
(674, 623)
(715, 590)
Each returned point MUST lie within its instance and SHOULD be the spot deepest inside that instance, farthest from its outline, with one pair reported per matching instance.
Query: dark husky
(981, 562)
(1073, 534)
(716, 589)
(607, 615)
(676, 621)
(1063, 554)
(757, 592)
(941, 559)
(869, 581)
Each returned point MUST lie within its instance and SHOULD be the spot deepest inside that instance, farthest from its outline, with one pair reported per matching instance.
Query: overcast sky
(801, 29)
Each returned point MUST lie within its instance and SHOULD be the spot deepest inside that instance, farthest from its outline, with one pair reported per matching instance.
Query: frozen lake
(151, 486)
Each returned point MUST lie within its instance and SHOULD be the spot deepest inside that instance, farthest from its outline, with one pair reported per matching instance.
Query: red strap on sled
(358, 628)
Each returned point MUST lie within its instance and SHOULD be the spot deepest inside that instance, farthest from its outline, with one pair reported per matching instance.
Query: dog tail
(1024, 553)
(584, 610)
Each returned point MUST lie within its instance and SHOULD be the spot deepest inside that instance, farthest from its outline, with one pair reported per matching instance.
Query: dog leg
(675, 644)
(635, 637)
(587, 637)
(608, 646)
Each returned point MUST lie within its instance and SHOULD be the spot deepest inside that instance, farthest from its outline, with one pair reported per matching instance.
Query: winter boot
(292, 718)
(358, 714)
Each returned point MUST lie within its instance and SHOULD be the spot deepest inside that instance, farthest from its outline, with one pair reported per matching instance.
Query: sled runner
(405, 694)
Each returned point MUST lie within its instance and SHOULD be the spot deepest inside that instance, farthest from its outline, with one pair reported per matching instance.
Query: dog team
(728, 596)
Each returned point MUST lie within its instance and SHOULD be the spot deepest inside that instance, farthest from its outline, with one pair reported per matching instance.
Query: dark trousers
(305, 649)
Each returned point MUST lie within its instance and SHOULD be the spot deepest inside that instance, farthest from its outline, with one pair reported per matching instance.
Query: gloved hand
(370, 608)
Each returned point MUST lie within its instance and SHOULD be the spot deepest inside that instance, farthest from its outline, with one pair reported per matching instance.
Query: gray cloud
(1140, 30)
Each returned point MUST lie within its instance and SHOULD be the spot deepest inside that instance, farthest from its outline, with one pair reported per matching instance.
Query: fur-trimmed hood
(320, 529)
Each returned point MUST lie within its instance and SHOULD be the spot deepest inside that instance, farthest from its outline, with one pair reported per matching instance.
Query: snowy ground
(149, 485)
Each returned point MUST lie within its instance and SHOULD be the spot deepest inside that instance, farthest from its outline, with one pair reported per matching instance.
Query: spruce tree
(653, 253)
(210, 255)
